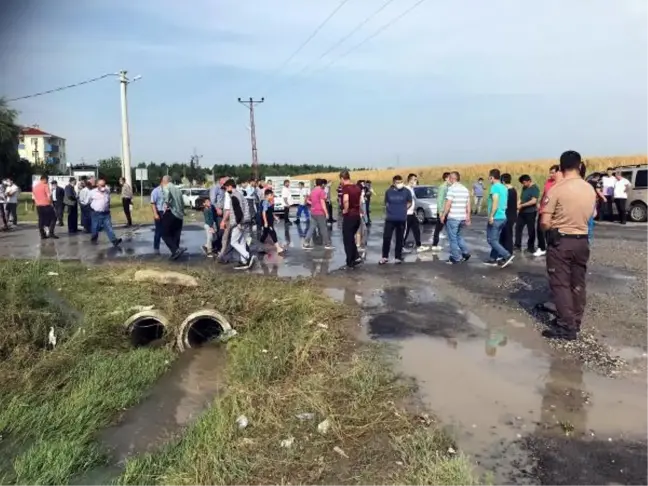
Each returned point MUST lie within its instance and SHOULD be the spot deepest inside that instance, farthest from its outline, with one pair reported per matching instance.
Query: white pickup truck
(277, 183)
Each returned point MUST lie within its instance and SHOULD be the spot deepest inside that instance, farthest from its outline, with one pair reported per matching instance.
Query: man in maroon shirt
(350, 219)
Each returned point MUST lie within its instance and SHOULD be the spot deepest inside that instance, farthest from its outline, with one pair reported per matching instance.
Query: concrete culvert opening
(201, 328)
(146, 328)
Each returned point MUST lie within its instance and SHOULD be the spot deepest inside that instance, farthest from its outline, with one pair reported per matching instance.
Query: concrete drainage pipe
(146, 327)
(201, 327)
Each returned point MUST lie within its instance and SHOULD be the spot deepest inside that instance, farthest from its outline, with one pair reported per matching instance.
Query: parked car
(638, 196)
(426, 203)
(193, 197)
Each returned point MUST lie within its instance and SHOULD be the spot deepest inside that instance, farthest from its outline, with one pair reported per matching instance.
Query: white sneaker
(423, 248)
(436, 248)
(539, 253)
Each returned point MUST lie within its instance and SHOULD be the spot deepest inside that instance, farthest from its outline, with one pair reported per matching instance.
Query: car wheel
(420, 215)
(638, 212)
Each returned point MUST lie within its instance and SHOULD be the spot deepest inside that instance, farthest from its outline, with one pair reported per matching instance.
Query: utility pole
(195, 161)
(126, 153)
(255, 160)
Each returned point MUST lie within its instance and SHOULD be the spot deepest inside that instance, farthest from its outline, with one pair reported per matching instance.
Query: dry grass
(470, 172)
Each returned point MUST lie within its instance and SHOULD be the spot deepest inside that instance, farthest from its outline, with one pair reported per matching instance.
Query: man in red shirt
(42, 197)
(554, 176)
(350, 218)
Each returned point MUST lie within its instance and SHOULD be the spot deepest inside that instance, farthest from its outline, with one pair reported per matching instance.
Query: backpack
(243, 205)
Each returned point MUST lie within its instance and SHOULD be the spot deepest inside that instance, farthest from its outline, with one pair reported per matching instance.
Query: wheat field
(537, 169)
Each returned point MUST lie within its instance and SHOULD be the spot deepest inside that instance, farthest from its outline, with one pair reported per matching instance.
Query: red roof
(33, 131)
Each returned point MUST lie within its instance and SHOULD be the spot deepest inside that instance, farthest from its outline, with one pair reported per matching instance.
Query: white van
(277, 183)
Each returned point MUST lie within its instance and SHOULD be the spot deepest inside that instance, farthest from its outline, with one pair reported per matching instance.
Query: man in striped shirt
(456, 215)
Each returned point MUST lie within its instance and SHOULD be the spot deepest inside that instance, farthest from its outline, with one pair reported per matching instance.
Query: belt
(575, 237)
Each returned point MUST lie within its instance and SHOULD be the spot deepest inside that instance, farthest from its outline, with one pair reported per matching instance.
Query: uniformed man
(567, 208)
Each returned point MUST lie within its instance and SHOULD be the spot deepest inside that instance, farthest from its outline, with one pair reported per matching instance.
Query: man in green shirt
(172, 218)
(527, 213)
(441, 197)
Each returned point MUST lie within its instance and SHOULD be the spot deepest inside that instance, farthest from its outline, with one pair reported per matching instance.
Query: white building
(42, 148)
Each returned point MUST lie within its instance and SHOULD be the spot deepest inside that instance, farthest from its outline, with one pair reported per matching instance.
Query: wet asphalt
(525, 409)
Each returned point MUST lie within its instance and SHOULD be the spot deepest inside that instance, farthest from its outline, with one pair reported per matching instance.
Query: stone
(165, 278)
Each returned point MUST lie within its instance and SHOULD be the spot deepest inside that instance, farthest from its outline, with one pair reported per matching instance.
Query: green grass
(281, 364)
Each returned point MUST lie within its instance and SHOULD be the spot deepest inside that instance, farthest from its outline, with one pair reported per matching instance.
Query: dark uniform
(571, 204)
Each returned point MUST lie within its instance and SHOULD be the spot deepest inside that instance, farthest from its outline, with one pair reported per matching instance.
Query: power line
(310, 38)
(370, 37)
(62, 88)
(345, 38)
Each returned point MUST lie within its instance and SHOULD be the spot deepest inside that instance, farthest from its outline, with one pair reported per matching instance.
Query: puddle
(498, 386)
(192, 383)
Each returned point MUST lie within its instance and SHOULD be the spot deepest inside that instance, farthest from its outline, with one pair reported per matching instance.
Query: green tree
(10, 163)
(111, 170)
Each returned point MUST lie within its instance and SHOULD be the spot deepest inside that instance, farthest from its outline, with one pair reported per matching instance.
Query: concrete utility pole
(255, 161)
(126, 153)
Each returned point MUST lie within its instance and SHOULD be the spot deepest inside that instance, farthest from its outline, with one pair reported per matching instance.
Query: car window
(425, 192)
(627, 175)
(641, 180)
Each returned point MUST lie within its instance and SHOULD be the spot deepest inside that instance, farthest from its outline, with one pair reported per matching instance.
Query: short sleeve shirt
(353, 192)
(620, 188)
(317, 196)
(570, 204)
(501, 191)
(286, 195)
(529, 193)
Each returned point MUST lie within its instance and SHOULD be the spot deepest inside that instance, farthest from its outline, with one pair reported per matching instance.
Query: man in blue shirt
(397, 200)
(497, 204)
(157, 206)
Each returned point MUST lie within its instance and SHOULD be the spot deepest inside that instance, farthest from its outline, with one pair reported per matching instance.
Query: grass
(55, 402)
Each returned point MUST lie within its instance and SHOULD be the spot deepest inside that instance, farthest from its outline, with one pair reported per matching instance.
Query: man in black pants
(506, 236)
(127, 199)
(350, 218)
(70, 201)
(58, 197)
(527, 212)
(398, 199)
(368, 193)
(441, 195)
(412, 223)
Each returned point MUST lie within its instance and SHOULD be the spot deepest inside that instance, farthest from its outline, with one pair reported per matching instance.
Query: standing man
(597, 184)
(398, 200)
(441, 199)
(478, 194)
(84, 202)
(497, 203)
(42, 197)
(554, 176)
(172, 218)
(286, 199)
(527, 212)
(3, 201)
(239, 218)
(70, 200)
(303, 207)
(369, 192)
(412, 222)
(320, 214)
(621, 187)
(101, 220)
(157, 207)
(564, 217)
(217, 198)
(350, 219)
(609, 181)
(456, 215)
(329, 204)
(11, 194)
(58, 198)
(127, 200)
(506, 237)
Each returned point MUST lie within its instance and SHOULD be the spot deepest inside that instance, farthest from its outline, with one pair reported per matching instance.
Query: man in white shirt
(302, 209)
(286, 199)
(608, 181)
(621, 188)
(412, 223)
(455, 216)
(11, 195)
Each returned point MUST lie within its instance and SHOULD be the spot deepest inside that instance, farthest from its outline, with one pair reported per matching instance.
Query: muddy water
(177, 399)
(496, 383)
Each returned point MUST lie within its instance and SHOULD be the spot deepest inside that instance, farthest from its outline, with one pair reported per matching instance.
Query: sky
(451, 81)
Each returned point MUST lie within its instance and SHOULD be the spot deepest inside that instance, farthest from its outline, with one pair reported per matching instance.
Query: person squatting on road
(565, 215)
(173, 218)
(506, 236)
(350, 219)
(100, 203)
(456, 215)
(497, 204)
(412, 223)
(398, 199)
(319, 216)
(441, 198)
(527, 213)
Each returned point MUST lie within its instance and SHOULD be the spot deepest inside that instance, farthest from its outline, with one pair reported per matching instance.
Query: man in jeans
(497, 204)
(456, 215)
(527, 212)
(441, 197)
(100, 204)
(320, 216)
